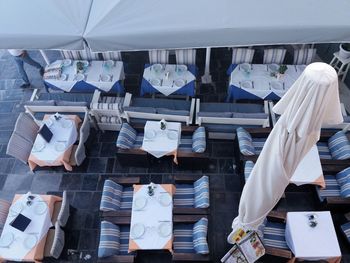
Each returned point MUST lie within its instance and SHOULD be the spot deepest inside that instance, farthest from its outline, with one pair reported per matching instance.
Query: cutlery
(239, 67)
(269, 85)
(172, 85)
(283, 85)
(253, 84)
(251, 66)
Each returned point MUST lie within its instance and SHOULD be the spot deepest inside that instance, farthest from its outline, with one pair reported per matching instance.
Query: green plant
(80, 66)
(346, 46)
(282, 69)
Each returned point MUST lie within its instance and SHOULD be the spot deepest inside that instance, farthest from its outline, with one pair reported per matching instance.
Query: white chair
(61, 211)
(54, 242)
(185, 56)
(84, 130)
(304, 56)
(242, 55)
(78, 154)
(158, 56)
(112, 55)
(340, 65)
(274, 55)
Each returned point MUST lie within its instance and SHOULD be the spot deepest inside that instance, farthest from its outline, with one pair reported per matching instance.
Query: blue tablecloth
(188, 89)
(84, 87)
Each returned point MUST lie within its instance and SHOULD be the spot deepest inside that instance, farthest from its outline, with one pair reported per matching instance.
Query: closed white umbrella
(311, 102)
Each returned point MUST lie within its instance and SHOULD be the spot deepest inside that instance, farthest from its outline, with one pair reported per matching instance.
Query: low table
(29, 244)
(152, 214)
(312, 243)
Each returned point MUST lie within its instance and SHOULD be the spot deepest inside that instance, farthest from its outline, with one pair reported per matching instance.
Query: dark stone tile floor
(84, 183)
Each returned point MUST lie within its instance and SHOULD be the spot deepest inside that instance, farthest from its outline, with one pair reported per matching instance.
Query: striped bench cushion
(345, 228)
(245, 142)
(4, 210)
(201, 192)
(248, 167)
(304, 56)
(258, 144)
(126, 200)
(339, 146)
(242, 55)
(183, 238)
(200, 230)
(184, 195)
(343, 179)
(323, 150)
(274, 235)
(111, 196)
(199, 140)
(186, 143)
(124, 239)
(127, 136)
(332, 188)
(109, 240)
(138, 141)
(274, 55)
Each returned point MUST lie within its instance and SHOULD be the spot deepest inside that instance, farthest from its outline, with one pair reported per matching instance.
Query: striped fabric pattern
(4, 210)
(274, 235)
(323, 150)
(109, 240)
(274, 55)
(332, 188)
(111, 196)
(200, 230)
(345, 228)
(158, 56)
(124, 239)
(345, 189)
(199, 140)
(339, 146)
(201, 192)
(87, 54)
(258, 144)
(185, 143)
(183, 238)
(19, 147)
(184, 195)
(248, 167)
(343, 176)
(71, 54)
(304, 56)
(185, 56)
(245, 142)
(112, 55)
(127, 197)
(127, 136)
(242, 55)
(138, 141)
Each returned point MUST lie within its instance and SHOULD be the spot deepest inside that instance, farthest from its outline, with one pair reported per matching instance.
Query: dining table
(29, 244)
(58, 150)
(260, 81)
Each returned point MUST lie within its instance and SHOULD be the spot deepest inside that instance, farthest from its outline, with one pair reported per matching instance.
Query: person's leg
(27, 59)
(19, 63)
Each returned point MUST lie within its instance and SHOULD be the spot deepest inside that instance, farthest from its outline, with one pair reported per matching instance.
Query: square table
(309, 170)
(161, 142)
(58, 151)
(169, 80)
(152, 214)
(312, 243)
(28, 245)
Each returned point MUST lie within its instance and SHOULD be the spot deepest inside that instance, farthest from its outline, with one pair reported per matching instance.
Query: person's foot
(42, 71)
(25, 85)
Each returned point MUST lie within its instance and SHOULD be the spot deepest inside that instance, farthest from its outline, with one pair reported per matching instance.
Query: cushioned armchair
(190, 238)
(117, 196)
(192, 194)
(4, 210)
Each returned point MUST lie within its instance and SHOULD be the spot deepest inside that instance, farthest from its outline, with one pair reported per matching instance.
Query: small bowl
(276, 85)
(109, 63)
(157, 67)
(151, 134)
(85, 63)
(105, 78)
(155, 82)
(79, 77)
(63, 77)
(179, 82)
(274, 67)
(181, 68)
(245, 67)
(67, 62)
(247, 84)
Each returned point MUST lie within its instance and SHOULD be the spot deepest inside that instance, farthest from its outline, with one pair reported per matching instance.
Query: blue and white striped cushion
(183, 238)
(198, 140)
(258, 144)
(245, 142)
(343, 176)
(274, 235)
(186, 143)
(124, 239)
(345, 228)
(127, 136)
(200, 230)
(345, 189)
(138, 141)
(332, 188)
(184, 195)
(323, 150)
(248, 167)
(201, 192)
(242, 55)
(274, 55)
(111, 196)
(109, 240)
(126, 200)
(339, 146)
(304, 56)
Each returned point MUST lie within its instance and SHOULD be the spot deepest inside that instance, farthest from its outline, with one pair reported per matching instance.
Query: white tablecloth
(161, 145)
(260, 75)
(92, 73)
(67, 136)
(310, 243)
(309, 169)
(167, 85)
(38, 227)
(151, 216)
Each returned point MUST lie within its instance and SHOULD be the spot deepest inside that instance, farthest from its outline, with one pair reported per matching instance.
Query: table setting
(84, 76)
(24, 234)
(161, 138)
(261, 81)
(57, 151)
(168, 79)
(151, 217)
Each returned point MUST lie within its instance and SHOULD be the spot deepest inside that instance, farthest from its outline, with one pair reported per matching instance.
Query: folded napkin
(53, 74)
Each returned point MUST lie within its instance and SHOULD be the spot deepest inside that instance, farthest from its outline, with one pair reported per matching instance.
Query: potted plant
(281, 70)
(80, 67)
(344, 50)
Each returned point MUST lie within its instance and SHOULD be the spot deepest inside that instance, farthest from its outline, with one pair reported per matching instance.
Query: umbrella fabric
(312, 101)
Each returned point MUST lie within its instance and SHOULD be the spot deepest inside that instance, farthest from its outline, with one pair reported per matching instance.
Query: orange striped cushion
(4, 210)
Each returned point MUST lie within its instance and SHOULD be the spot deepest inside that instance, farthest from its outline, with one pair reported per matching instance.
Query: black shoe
(42, 71)
(25, 86)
